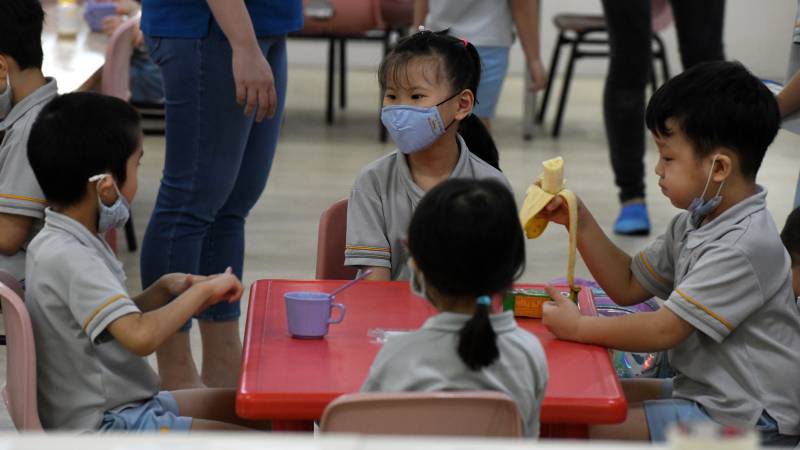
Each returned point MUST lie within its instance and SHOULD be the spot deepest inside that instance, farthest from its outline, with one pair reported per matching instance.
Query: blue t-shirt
(193, 19)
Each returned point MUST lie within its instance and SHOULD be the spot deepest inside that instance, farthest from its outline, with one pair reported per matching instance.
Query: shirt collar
(43, 94)
(723, 223)
(453, 322)
(68, 225)
(458, 170)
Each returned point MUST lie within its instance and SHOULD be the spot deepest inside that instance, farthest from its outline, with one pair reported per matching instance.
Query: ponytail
(477, 344)
(479, 141)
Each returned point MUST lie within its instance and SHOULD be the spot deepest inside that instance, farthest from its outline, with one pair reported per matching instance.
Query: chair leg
(387, 40)
(662, 55)
(130, 235)
(331, 75)
(342, 74)
(653, 81)
(551, 78)
(562, 102)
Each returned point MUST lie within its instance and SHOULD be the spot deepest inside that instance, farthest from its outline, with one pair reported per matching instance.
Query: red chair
(478, 413)
(19, 394)
(116, 83)
(331, 242)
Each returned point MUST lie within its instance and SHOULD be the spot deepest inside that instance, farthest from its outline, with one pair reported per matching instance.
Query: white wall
(757, 33)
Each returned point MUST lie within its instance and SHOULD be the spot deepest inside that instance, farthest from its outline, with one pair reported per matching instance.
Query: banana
(552, 184)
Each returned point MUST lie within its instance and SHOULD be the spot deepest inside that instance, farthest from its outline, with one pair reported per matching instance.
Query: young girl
(429, 82)
(466, 245)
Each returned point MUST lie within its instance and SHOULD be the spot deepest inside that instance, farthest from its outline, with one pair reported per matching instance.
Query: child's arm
(789, 97)
(609, 265)
(643, 332)
(525, 14)
(164, 289)
(14, 231)
(143, 333)
(378, 273)
(420, 12)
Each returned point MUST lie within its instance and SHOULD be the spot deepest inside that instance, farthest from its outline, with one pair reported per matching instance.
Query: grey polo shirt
(20, 193)
(731, 280)
(383, 199)
(483, 22)
(75, 290)
(427, 360)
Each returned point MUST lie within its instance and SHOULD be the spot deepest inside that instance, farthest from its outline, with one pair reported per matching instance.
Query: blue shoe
(633, 220)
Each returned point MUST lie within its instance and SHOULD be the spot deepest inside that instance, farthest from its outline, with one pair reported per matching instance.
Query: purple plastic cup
(308, 314)
(95, 12)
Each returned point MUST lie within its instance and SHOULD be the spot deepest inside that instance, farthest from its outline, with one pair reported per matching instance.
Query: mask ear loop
(708, 180)
(99, 177)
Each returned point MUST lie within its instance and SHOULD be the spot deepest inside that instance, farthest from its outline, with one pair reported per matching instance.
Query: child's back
(466, 244)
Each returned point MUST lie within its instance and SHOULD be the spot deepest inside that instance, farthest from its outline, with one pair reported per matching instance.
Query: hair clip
(484, 300)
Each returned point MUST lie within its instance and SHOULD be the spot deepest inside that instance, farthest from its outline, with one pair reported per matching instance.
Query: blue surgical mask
(701, 208)
(6, 99)
(414, 128)
(113, 216)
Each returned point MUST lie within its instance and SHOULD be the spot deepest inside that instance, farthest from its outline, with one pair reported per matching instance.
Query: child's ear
(723, 167)
(106, 190)
(466, 101)
(3, 70)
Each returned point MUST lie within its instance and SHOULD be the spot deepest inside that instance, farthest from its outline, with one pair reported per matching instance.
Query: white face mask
(113, 216)
(5, 99)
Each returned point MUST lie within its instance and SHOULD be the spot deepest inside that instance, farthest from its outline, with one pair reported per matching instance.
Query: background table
(286, 379)
(74, 62)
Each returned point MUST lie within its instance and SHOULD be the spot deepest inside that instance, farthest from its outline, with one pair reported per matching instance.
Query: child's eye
(390, 96)
(417, 96)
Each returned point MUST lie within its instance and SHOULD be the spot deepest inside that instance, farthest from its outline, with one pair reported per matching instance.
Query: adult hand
(128, 7)
(561, 316)
(538, 75)
(255, 85)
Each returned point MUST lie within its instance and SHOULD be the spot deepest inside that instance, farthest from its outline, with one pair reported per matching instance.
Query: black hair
(77, 136)
(21, 24)
(790, 235)
(466, 239)
(718, 104)
(460, 65)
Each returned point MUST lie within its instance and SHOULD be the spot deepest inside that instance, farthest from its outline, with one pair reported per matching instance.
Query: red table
(285, 379)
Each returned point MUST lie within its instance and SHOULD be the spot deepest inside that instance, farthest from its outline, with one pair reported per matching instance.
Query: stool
(580, 31)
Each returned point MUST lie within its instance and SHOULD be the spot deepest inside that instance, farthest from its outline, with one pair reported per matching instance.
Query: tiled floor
(316, 165)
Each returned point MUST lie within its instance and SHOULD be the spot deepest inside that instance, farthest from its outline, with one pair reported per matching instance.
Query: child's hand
(223, 287)
(110, 24)
(562, 316)
(176, 283)
(556, 211)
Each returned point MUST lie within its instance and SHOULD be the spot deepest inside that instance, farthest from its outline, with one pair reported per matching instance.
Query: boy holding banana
(730, 321)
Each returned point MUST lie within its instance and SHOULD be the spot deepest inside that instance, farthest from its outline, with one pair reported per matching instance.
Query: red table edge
(553, 410)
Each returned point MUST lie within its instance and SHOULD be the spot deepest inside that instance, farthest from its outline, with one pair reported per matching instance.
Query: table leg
(297, 426)
(564, 431)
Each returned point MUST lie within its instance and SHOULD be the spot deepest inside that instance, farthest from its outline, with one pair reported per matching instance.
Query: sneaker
(633, 220)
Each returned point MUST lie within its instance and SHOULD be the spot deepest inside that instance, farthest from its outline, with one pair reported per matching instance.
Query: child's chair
(19, 393)
(467, 413)
(116, 83)
(331, 242)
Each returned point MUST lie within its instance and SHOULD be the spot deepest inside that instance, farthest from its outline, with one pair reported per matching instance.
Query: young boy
(730, 321)
(23, 93)
(91, 336)
(790, 235)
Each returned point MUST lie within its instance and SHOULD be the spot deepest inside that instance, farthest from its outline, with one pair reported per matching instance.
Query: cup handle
(341, 309)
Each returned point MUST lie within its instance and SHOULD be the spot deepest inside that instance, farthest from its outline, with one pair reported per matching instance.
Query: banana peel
(551, 184)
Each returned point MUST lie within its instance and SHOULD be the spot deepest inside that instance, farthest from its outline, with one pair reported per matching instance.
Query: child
(23, 93)
(466, 245)
(91, 336)
(429, 82)
(791, 240)
(730, 321)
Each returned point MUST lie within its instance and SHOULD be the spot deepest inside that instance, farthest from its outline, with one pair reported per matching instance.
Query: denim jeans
(699, 25)
(217, 161)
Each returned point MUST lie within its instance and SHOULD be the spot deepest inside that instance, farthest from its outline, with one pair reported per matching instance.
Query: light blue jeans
(217, 162)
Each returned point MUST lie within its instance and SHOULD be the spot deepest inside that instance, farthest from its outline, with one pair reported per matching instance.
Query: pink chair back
(397, 13)
(19, 393)
(350, 17)
(116, 70)
(331, 242)
(478, 413)
(661, 13)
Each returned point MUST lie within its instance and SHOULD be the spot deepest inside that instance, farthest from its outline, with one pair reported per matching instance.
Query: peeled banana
(551, 184)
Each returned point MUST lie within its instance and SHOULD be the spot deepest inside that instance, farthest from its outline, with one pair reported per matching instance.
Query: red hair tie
(466, 42)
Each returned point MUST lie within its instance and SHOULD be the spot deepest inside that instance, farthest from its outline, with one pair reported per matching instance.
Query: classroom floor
(316, 165)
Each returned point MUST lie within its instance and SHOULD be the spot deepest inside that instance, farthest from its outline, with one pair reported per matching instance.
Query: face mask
(700, 208)
(113, 216)
(414, 128)
(5, 99)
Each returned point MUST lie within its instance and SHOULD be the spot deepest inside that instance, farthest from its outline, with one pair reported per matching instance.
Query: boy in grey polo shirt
(23, 93)
(730, 320)
(91, 335)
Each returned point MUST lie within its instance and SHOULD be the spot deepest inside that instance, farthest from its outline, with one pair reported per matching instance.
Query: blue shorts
(661, 414)
(160, 413)
(494, 65)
